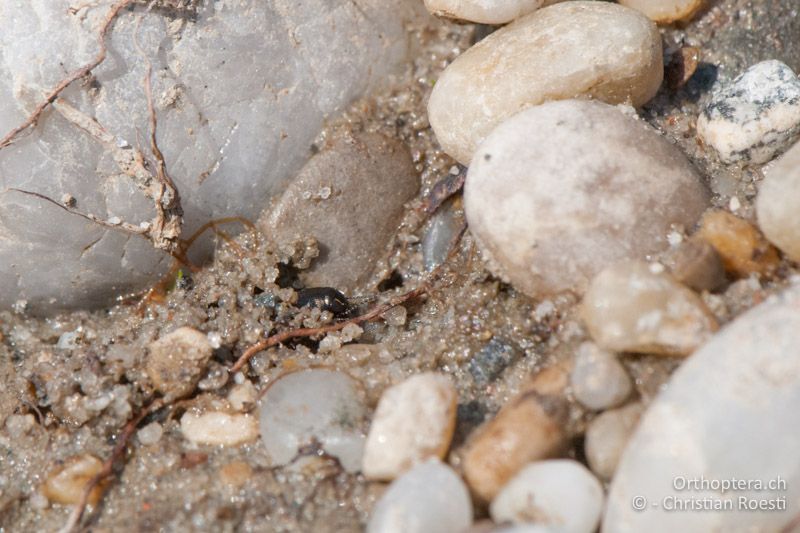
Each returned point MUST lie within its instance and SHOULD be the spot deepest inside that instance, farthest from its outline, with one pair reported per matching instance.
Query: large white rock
(567, 50)
(242, 88)
(564, 189)
(731, 412)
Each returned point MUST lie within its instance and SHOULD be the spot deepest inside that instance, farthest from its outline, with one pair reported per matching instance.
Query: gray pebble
(598, 379)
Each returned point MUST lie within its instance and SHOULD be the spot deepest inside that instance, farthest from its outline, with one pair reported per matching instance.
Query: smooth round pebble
(176, 361)
(67, 482)
(598, 379)
(564, 189)
(631, 308)
(665, 11)
(730, 412)
(319, 405)
(697, 264)
(429, 498)
(571, 49)
(778, 203)
(756, 116)
(742, 248)
(558, 492)
(414, 421)
(607, 436)
(217, 428)
(485, 11)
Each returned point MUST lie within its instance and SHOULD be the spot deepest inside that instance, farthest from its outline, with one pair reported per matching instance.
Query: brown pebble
(67, 482)
(526, 429)
(681, 66)
(698, 265)
(743, 248)
(235, 474)
(192, 459)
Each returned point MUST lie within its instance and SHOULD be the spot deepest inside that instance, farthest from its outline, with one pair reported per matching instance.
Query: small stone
(562, 190)
(628, 308)
(217, 428)
(523, 431)
(756, 116)
(487, 365)
(414, 421)
(743, 248)
(665, 11)
(598, 379)
(728, 414)
(235, 474)
(571, 49)
(778, 203)
(319, 406)
(607, 436)
(485, 11)
(176, 361)
(150, 434)
(243, 396)
(370, 178)
(444, 227)
(18, 426)
(697, 264)
(561, 493)
(429, 498)
(66, 483)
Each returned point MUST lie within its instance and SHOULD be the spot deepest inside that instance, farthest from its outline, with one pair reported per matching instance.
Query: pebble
(150, 434)
(742, 248)
(66, 483)
(598, 379)
(484, 11)
(176, 361)
(559, 492)
(414, 421)
(444, 227)
(370, 177)
(630, 308)
(756, 116)
(665, 11)
(490, 361)
(564, 189)
(730, 412)
(697, 264)
(607, 436)
(525, 430)
(217, 428)
(571, 49)
(778, 203)
(320, 406)
(429, 498)
(235, 474)
(243, 396)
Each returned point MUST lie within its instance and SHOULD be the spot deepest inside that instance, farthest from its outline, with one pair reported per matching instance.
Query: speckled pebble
(756, 116)
(778, 203)
(176, 361)
(429, 498)
(598, 379)
(414, 421)
(562, 190)
(570, 49)
(607, 436)
(217, 428)
(633, 307)
(489, 362)
(318, 405)
(561, 493)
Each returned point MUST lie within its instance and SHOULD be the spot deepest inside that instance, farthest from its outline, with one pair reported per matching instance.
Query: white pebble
(564, 189)
(429, 498)
(176, 361)
(219, 428)
(756, 116)
(607, 436)
(414, 421)
(319, 405)
(560, 493)
(778, 203)
(598, 379)
(484, 11)
(571, 49)
(629, 308)
(150, 434)
(665, 11)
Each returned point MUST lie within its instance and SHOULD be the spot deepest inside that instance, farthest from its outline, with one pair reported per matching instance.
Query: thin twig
(108, 466)
(70, 79)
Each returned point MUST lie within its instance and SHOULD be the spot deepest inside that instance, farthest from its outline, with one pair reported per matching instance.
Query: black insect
(324, 298)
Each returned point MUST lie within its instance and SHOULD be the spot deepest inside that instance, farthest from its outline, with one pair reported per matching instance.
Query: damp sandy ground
(80, 375)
